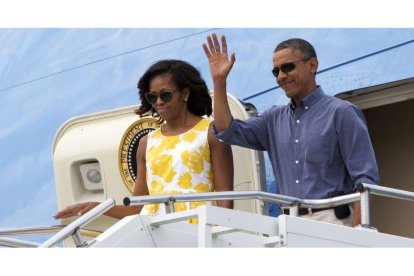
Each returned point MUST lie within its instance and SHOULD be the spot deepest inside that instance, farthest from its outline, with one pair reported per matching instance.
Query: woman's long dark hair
(184, 75)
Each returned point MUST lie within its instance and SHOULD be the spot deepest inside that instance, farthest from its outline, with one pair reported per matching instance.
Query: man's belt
(304, 211)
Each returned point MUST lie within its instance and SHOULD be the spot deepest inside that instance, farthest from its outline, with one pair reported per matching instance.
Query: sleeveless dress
(178, 164)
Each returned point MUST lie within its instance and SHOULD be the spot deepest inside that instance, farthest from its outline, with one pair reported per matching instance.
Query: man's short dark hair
(297, 44)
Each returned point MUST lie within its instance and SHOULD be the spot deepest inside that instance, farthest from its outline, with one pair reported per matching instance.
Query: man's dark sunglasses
(286, 67)
(165, 96)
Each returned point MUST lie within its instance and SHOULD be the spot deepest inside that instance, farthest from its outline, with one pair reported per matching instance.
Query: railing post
(205, 233)
(77, 238)
(294, 209)
(169, 206)
(365, 211)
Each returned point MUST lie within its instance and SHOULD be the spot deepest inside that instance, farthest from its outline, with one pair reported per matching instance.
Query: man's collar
(309, 100)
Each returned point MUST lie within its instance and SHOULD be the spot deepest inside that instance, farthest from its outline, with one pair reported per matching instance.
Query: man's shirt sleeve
(251, 133)
(356, 147)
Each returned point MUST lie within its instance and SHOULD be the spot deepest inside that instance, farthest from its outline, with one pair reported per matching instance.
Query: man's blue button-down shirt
(320, 146)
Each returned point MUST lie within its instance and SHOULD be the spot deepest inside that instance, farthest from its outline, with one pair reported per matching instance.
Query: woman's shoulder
(156, 133)
(203, 124)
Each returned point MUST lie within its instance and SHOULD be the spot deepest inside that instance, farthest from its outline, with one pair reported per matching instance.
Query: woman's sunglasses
(165, 96)
(286, 67)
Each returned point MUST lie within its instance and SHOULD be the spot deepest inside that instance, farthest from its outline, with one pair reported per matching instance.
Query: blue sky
(50, 75)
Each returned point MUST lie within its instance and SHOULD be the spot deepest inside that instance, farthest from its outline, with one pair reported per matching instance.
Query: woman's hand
(75, 210)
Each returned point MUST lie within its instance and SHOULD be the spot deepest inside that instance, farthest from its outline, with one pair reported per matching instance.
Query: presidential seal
(128, 149)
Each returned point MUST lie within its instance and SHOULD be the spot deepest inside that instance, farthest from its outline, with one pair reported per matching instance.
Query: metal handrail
(232, 195)
(6, 233)
(30, 230)
(237, 195)
(385, 191)
(330, 202)
(42, 230)
(74, 227)
(9, 242)
(366, 189)
(362, 194)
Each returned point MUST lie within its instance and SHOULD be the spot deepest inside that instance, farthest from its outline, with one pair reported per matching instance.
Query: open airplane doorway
(389, 111)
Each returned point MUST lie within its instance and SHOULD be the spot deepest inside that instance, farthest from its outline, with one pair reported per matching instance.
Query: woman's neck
(180, 124)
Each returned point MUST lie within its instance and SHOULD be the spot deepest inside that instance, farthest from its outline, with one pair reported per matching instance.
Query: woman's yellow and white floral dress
(178, 164)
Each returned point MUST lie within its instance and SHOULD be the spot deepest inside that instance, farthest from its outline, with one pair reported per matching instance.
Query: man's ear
(314, 65)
